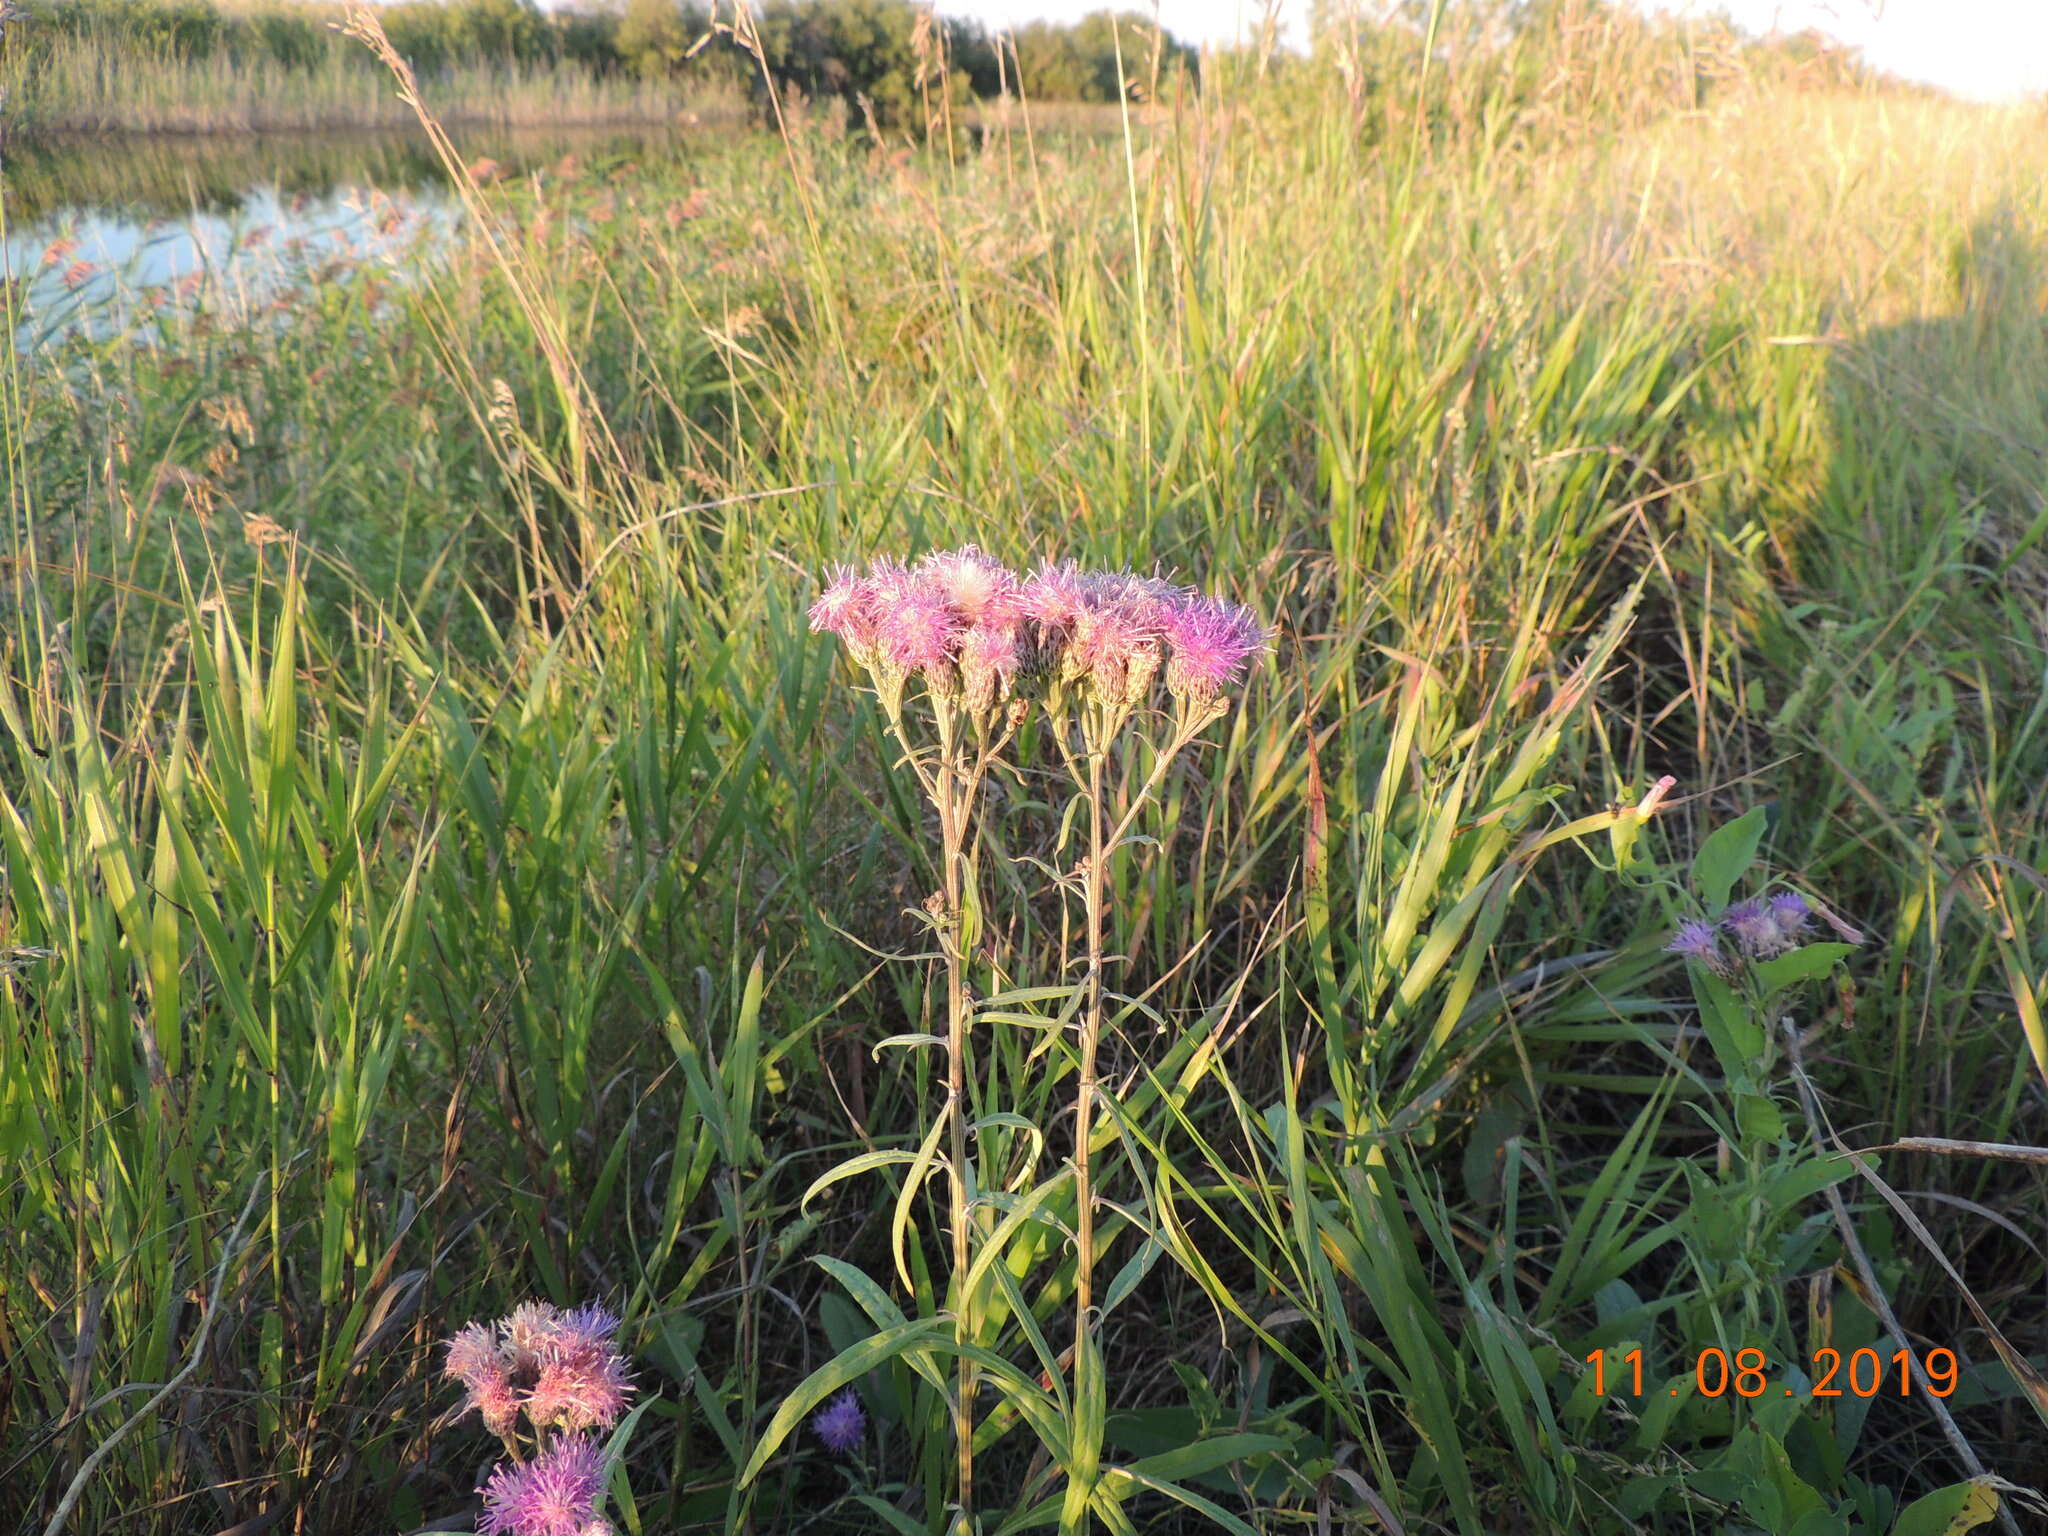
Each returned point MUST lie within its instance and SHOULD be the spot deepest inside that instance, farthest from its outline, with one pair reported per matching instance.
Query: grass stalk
(954, 815)
(1096, 729)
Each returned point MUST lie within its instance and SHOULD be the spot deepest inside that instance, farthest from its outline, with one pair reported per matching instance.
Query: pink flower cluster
(555, 1494)
(558, 1368)
(975, 630)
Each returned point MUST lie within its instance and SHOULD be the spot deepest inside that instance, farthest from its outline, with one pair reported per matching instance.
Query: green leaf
(1028, 995)
(1758, 1118)
(1639, 1496)
(1803, 964)
(742, 1065)
(851, 1167)
(1949, 1511)
(890, 1515)
(921, 1168)
(1726, 853)
(616, 1443)
(1738, 1040)
(920, 1041)
(1779, 1496)
(1132, 1274)
(1114, 1477)
(1207, 1455)
(835, 1373)
(1808, 1178)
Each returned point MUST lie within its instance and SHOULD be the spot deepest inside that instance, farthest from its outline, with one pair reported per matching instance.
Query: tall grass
(485, 879)
(99, 80)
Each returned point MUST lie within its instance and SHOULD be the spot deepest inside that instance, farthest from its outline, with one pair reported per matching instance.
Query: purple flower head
(531, 1324)
(1113, 640)
(840, 1423)
(591, 1324)
(581, 1386)
(846, 608)
(1144, 595)
(555, 1494)
(559, 1368)
(840, 598)
(1056, 596)
(981, 590)
(991, 656)
(1700, 942)
(1754, 930)
(915, 625)
(579, 1379)
(1213, 642)
(498, 1403)
(474, 1356)
(476, 1359)
(1789, 917)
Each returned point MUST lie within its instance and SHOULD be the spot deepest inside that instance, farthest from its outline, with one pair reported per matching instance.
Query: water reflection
(103, 234)
(109, 272)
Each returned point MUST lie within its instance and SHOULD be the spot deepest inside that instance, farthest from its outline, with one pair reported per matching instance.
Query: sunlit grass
(490, 880)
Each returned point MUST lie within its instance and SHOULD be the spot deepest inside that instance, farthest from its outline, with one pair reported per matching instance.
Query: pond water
(102, 233)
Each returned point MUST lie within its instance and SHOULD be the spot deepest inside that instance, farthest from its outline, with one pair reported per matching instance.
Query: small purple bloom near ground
(840, 1423)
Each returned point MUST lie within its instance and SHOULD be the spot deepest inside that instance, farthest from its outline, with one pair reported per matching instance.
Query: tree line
(882, 55)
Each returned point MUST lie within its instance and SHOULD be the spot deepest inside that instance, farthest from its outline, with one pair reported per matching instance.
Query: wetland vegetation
(441, 866)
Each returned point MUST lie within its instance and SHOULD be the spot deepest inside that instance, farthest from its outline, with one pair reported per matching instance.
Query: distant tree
(1049, 65)
(894, 58)
(1080, 63)
(655, 35)
(588, 35)
(504, 31)
(423, 32)
(972, 52)
(294, 38)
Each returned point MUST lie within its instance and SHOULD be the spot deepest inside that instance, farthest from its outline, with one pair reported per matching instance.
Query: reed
(425, 804)
(93, 83)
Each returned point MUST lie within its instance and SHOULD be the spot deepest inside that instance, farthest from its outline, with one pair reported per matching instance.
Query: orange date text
(1747, 1373)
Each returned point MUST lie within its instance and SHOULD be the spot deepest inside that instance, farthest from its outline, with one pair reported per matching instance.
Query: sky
(1984, 49)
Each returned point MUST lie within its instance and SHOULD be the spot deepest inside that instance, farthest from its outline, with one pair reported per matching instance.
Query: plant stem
(1096, 744)
(1099, 726)
(955, 789)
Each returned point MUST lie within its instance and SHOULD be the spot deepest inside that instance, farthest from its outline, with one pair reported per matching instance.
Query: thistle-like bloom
(559, 1368)
(477, 1361)
(473, 1356)
(1789, 917)
(1056, 596)
(1700, 942)
(582, 1385)
(1213, 642)
(593, 1323)
(981, 590)
(972, 629)
(916, 626)
(579, 1380)
(846, 608)
(1141, 594)
(991, 656)
(1114, 639)
(840, 1423)
(555, 1494)
(531, 1324)
(1754, 930)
